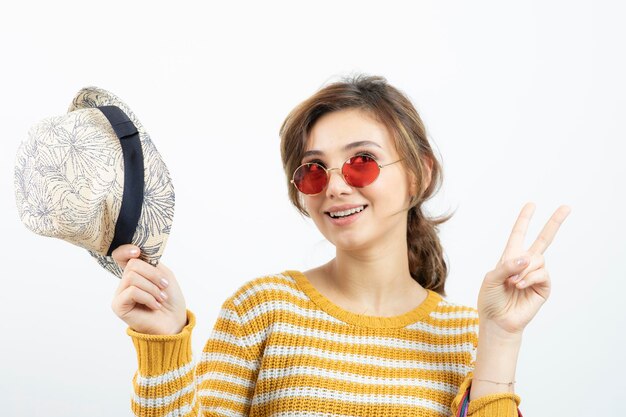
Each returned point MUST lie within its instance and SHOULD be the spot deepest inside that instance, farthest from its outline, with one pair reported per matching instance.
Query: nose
(337, 185)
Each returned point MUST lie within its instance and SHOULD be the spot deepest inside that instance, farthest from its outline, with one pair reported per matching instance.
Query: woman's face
(384, 218)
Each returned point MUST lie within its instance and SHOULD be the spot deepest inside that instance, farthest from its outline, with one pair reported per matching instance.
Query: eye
(363, 157)
(316, 161)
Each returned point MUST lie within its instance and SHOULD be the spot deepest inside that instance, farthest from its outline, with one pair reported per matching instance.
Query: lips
(346, 220)
(344, 207)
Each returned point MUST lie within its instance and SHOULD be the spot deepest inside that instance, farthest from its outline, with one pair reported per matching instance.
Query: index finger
(516, 239)
(549, 230)
(144, 270)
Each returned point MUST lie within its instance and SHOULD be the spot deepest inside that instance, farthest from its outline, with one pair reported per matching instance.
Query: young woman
(366, 334)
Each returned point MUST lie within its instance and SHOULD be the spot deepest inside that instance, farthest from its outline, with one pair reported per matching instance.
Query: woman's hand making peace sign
(512, 294)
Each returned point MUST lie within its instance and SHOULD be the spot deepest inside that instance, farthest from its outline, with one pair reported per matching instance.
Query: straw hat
(94, 178)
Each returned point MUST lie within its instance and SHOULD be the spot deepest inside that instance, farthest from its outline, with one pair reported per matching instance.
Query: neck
(377, 281)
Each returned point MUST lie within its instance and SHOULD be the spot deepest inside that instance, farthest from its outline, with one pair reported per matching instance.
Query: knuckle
(129, 274)
(136, 293)
(132, 291)
(133, 278)
(125, 277)
(132, 262)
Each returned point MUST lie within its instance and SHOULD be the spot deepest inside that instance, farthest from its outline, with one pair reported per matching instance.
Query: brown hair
(392, 108)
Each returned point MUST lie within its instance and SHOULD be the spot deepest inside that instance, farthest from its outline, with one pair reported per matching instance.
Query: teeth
(346, 212)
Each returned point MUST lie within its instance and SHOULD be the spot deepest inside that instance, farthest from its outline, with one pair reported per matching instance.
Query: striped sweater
(280, 348)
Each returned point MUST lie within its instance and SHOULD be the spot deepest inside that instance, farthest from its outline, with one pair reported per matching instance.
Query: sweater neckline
(362, 320)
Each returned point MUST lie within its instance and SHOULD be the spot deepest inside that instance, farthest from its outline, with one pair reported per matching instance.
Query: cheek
(388, 196)
(312, 205)
(384, 192)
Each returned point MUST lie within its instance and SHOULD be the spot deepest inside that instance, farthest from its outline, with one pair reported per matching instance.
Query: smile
(346, 213)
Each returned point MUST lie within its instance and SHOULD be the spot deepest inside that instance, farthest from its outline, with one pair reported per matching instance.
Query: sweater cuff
(157, 354)
(501, 404)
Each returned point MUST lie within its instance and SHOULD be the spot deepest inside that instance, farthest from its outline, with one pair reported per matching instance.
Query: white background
(524, 101)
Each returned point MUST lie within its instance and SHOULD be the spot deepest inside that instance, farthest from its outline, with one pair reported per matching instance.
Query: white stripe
(228, 314)
(370, 360)
(181, 411)
(227, 338)
(153, 381)
(447, 303)
(229, 359)
(162, 401)
(224, 396)
(347, 339)
(284, 305)
(231, 379)
(318, 315)
(463, 314)
(355, 378)
(443, 331)
(326, 394)
(222, 412)
(262, 286)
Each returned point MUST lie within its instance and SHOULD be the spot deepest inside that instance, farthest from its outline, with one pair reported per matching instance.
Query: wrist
(488, 330)
(496, 361)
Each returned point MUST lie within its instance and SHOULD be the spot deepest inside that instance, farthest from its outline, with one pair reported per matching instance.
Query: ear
(428, 165)
(428, 170)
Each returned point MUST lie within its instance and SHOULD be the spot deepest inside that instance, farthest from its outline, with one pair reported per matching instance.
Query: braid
(426, 262)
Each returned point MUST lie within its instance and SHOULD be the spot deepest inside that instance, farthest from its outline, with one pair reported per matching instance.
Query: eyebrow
(345, 148)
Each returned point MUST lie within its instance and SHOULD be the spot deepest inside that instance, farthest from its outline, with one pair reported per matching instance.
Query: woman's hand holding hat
(148, 298)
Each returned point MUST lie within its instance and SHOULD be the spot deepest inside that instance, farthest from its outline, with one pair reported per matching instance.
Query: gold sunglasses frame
(340, 172)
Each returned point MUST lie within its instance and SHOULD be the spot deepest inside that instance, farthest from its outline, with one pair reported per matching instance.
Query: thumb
(124, 253)
(509, 268)
(514, 266)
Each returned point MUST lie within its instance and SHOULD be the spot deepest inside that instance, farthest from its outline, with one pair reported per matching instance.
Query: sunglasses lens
(360, 170)
(310, 178)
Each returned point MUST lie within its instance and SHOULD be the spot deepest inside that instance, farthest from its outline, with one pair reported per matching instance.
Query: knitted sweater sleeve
(167, 383)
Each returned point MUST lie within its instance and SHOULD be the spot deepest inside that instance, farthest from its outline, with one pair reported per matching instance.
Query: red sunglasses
(358, 171)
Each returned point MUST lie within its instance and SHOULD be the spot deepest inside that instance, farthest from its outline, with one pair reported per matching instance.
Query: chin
(349, 241)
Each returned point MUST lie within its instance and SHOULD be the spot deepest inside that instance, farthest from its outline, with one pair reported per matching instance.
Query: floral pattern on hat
(69, 178)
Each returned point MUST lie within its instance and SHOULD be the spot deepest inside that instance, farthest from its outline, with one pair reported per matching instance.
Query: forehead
(333, 131)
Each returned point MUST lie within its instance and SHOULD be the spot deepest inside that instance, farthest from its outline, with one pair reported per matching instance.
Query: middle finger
(136, 280)
(549, 230)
